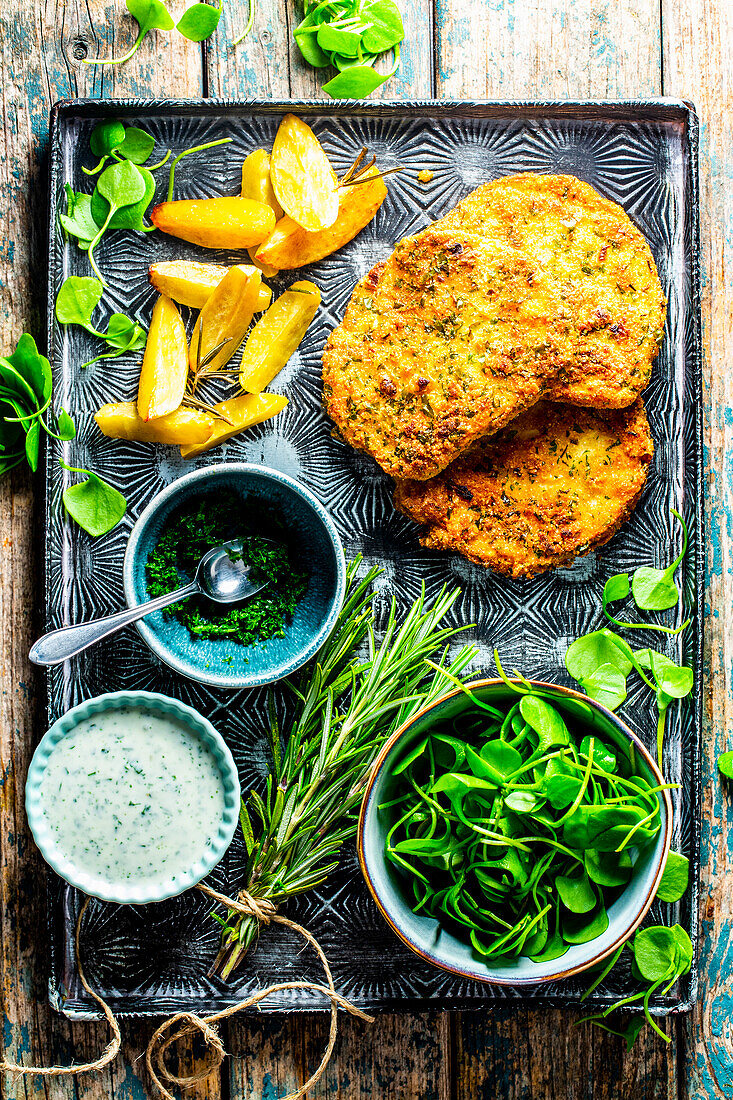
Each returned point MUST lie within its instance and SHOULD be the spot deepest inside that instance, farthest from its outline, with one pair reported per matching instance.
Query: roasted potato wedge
(257, 185)
(277, 334)
(215, 223)
(192, 284)
(256, 182)
(243, 412)
(165, 363)
(225, 317)
(187, 282)
(291, 246)
(120, 420)
(302, 177)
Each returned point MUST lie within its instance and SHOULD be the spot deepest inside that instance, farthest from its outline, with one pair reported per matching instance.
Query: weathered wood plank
(513, 1053)
(396, 1056)
(40, 62)
(698, 65)
(528, 49)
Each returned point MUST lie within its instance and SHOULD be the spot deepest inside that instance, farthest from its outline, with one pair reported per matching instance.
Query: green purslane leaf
(333, 39)
(137, 145)
(94, 504)
(33, 367)
(386, 29)
(78, 220)
(106, 137)
(128, 216)
(150, 15)
(77, 300)
(199, 22)
(355, 83)
(25, 396)
(655, 589)
(122, 184)
(576, 892)
(675, 878)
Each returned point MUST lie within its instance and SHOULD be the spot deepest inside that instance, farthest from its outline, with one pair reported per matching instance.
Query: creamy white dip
(130, 795)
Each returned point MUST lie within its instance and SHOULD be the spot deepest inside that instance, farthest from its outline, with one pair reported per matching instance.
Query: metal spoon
(222, 575)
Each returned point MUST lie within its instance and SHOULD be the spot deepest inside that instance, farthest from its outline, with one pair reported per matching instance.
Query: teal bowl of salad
(512, 836)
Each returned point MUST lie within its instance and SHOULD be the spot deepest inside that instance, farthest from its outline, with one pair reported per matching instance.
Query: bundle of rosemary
(348, 701)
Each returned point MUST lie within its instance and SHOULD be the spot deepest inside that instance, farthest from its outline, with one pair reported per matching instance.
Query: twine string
(183, 1024)
(109, 1053)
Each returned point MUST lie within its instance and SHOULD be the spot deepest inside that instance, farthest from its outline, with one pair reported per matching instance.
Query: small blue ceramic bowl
(173, 881)
(423, 934)
(220, 661)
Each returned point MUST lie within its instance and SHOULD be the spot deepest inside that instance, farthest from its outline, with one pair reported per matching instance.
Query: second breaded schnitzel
(443, 344)
(611, 314)
(555, 484)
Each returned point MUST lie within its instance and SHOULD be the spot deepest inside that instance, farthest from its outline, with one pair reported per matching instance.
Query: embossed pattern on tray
(642, 155)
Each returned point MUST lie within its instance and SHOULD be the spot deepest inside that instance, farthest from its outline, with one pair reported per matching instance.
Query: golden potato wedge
(264, 298)
(226, 316)
(243, 412)
(257, 185)
(291, 246)
(192, 284)
(302, 177)
(165, 363)
(277, 334)
(256, 182)
(120, 420)
(215, 223)
(187, 282)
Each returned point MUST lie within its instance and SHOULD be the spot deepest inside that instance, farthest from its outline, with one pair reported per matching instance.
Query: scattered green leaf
(94, 504)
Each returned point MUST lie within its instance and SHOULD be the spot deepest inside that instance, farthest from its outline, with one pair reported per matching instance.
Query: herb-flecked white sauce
(132, 795)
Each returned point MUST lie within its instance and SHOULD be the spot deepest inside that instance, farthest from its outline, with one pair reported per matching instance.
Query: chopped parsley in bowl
(275, 632)
(208, 521)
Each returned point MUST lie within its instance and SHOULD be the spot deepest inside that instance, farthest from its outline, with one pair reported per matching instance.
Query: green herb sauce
(208, 521)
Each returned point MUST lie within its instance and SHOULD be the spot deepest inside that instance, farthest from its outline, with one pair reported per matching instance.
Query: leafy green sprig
(124, 190)
(652, 589)
(197, 23)
(76, 302)
(661, 956)
(350, 35)
(95, 504)
(26, 391)
(347, 703)
(602, 661)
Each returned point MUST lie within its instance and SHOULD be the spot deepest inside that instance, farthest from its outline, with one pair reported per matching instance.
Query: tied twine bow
(183, 1024)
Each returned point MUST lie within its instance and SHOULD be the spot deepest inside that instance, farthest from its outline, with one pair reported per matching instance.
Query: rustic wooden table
(473, 48)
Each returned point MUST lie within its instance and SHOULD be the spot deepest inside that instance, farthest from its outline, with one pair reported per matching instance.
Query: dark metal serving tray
(643, 155)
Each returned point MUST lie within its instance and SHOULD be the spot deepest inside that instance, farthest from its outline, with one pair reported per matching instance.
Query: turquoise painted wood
(457, 48)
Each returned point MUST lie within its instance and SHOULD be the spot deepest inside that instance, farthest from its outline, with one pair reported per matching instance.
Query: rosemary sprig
(346, 706)
(361, 173)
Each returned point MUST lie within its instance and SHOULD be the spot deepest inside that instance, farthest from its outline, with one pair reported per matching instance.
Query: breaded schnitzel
(556, 483)
(612, 308)
(534, 286)
(443, 344)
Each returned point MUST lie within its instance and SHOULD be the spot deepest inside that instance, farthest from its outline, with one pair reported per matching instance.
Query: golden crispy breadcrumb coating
(534, 286)
(555, 484)
(612, 309)
(443, 344)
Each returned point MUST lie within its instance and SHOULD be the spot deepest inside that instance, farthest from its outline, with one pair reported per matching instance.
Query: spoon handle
(59, 645)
